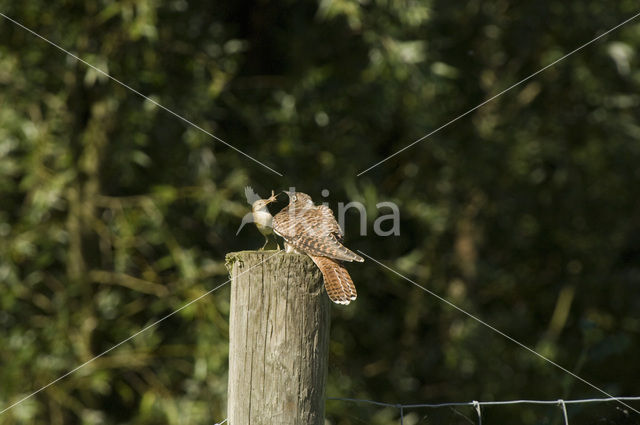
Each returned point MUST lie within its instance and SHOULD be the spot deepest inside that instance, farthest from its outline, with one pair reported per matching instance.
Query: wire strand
(106, 74)
(485, 403)
(129, 338)
(501, 93)
(478, 409)
(565, 415)
(482, 322)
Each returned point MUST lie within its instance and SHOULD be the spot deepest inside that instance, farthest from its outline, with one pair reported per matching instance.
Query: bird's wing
(248, 218)
(251, 195)
(311, 232)
(323, 247)
(283, 224)
(331, 223)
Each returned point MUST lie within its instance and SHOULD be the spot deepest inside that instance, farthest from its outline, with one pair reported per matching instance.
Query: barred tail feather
(337, 281)
(324, 247)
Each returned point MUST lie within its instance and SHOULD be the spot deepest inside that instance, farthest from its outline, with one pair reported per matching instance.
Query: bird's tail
(337, 281)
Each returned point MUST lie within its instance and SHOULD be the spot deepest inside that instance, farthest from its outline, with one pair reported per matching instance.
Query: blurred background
(526, 212)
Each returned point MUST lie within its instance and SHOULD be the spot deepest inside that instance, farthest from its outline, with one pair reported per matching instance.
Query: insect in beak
(272, 198)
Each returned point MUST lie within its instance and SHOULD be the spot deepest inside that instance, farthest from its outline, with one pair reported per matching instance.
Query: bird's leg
(266, 242)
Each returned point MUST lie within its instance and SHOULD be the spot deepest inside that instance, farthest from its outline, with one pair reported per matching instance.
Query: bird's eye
(294, 198)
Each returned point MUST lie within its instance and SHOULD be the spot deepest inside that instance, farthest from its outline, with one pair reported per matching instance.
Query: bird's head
(299, 198)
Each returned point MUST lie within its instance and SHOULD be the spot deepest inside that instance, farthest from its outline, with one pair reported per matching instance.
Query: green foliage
(115, 213)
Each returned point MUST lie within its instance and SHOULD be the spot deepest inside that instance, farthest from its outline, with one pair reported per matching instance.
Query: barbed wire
(477, 405)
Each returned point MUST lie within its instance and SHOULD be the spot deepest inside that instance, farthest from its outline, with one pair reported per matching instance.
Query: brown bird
(313, 230)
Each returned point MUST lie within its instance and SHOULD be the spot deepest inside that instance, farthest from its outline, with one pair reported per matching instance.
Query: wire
(477, 404)
(501, 93)
(482, 322)
(485, 403)
(130, 338)
(147, 98)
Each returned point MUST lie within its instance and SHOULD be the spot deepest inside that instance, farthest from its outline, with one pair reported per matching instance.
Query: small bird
(259, 215)
(313, 230)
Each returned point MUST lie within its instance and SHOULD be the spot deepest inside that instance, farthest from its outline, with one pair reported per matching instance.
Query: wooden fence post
(278, 340)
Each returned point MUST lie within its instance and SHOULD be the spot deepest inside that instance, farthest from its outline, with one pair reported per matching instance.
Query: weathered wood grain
(278, 340)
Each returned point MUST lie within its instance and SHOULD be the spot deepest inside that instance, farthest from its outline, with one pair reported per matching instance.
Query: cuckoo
(313, 230)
